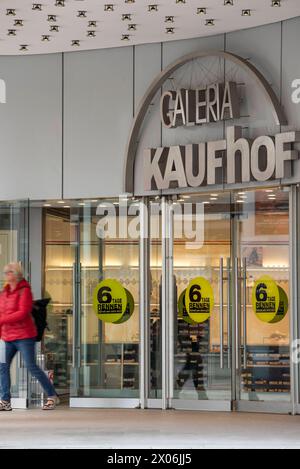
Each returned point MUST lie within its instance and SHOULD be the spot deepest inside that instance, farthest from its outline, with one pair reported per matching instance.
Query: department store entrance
(210, 279)
(219, 294)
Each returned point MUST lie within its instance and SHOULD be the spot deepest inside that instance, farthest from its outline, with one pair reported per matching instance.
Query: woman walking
(18, 331)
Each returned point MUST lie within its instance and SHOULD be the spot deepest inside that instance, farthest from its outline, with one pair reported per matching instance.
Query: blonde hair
(16, 268)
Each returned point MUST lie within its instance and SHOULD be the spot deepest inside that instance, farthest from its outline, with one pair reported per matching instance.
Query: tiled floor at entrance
(97, 428)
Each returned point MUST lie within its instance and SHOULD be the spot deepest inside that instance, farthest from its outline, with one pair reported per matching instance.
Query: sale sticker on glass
(110, 300)
(129, 308)
(265, 298)
(283, 306)
(182, 312)
(199, 299)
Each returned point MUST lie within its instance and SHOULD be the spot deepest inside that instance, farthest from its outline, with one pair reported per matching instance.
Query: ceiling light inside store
(61, 202)
(47, 205)
(240, 201)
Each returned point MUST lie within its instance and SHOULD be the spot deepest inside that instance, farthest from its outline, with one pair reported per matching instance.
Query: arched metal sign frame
(278, 114)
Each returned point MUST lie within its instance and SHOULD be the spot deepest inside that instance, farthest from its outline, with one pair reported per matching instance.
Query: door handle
(79, 312)
(237, 328)
(221, 316)
(74, 317)
(245, 312)
(228, 314)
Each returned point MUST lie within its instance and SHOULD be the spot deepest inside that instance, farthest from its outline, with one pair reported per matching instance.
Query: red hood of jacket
(21, 284)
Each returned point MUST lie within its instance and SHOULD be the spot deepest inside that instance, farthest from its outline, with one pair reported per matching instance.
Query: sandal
(51, 403)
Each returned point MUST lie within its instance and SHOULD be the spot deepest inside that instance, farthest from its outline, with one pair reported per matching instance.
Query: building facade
(172, 170)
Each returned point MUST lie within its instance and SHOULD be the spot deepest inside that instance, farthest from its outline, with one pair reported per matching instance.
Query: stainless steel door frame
(294, 225)
(165, 297)
(144, 302)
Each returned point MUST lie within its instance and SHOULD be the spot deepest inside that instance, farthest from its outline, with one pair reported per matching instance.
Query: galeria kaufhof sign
(231, 160)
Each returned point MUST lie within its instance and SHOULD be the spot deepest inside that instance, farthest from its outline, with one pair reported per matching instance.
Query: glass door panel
(59, 239)
(262, 246)
(106, 353)
(202, 249)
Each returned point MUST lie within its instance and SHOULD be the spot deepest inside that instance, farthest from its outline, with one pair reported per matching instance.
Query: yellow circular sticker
(182, 312)
(110, 300)
(265, 298)
(129, 308)
(283, 306)
(199, 299)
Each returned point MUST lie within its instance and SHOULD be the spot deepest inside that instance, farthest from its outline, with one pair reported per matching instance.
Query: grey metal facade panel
(31, 131)
(262, 46)
(147, 67)
(193, 75)
(175, 49)
(291, 72)
(98, 110)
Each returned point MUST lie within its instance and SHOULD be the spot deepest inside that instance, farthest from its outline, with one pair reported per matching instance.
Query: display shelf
(128, 373)
(267, 369)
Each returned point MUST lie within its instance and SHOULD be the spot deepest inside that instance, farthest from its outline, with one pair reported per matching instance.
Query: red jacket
(16, 321)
